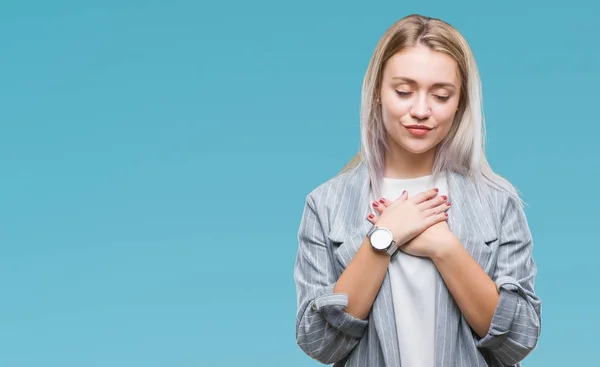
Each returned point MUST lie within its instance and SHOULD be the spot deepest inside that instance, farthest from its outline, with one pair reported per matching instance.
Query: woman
(417, 253)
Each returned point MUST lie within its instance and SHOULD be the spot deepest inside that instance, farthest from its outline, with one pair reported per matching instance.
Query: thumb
(403, 197)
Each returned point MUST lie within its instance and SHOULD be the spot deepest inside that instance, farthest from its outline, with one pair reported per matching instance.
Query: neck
(402, 164)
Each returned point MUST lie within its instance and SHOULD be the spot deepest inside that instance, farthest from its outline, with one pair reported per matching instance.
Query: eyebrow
(412, 81)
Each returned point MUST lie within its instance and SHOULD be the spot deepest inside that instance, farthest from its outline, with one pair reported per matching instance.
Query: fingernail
(446, 214)
(371, 215)
(436, 190)
(448, 203)
(375, 204)
(382, 201)
(444, 197)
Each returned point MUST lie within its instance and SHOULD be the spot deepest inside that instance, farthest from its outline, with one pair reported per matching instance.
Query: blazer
(489, 223)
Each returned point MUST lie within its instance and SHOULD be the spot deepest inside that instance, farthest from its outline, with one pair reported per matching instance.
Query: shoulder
(335, 199)
(492, 197)
(348, 183)
(326, 196)
(504, 194)
(501, 196)
(326, 191)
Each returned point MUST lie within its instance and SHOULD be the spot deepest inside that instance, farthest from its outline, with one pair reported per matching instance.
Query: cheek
(444, 116)
(392, 112)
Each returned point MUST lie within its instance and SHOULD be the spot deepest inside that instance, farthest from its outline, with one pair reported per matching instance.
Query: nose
(420, 110)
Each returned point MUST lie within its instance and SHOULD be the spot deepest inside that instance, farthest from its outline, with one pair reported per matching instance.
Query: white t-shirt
(413, 283)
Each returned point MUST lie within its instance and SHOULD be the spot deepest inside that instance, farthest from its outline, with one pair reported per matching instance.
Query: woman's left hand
(432, 242)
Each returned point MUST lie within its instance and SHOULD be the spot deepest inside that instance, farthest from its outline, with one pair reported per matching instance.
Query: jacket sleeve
(516, 324)
(324, 330)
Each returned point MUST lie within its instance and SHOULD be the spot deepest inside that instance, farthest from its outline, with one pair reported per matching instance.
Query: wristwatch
(382, 240)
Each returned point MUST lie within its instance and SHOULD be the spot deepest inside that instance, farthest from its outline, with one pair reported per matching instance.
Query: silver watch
(382, 240)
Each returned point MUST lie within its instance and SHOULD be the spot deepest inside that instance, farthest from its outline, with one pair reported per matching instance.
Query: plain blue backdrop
(155, 157)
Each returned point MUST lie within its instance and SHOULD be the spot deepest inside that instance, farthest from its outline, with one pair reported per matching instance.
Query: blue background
(155, 157)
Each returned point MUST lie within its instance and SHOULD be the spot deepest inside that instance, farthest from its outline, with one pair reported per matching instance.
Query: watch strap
(393, 250)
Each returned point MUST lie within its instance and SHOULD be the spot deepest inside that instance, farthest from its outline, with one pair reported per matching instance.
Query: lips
(418, 130)
(419, 127)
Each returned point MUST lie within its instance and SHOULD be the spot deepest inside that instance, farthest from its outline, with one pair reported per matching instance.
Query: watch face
(381, 238)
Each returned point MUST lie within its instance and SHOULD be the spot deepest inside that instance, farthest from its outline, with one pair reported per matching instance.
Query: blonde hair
(462, 150)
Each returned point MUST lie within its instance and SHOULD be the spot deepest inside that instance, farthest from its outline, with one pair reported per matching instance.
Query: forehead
(423, 65)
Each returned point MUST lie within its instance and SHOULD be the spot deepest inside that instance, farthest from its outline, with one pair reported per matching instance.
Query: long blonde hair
(462, 150)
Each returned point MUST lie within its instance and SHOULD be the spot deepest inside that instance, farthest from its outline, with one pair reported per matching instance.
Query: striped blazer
(490, 225)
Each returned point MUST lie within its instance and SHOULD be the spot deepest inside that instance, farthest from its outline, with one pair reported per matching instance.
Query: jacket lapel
(445, 326)
(467, 219)
(352, 231)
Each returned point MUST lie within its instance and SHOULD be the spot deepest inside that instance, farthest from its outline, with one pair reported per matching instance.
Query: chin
(417, 147)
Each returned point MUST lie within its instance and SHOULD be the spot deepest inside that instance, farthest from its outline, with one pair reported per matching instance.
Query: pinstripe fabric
(490, 225)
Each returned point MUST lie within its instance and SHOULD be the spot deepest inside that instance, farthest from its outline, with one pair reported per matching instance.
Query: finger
(432, 203)
(403, 197)
(423, 196)
(438, 209)
(378, 207)
(436, 218)
(385, 202)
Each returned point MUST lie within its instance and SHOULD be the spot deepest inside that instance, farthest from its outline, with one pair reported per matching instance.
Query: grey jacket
(490, 225)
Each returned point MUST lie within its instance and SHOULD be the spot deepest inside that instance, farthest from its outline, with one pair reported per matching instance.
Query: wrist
(397, 237)
(368, 247)
(445, 250)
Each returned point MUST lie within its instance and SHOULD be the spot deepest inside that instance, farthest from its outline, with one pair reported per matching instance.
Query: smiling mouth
(419, 127)
(418, 130)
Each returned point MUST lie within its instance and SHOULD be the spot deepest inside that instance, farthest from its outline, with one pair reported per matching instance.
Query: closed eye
(439, 97)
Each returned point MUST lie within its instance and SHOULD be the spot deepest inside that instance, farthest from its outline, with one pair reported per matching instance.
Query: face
(420, 92)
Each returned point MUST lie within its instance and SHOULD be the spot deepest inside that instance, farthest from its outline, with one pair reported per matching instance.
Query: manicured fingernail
(436, 190)
(446, 214)
(448, 203)
(444, 197)
(371, 215)
(375, 204)
(382, 201)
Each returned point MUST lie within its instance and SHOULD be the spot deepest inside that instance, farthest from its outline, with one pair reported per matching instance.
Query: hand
(407, 218)
(433, 241)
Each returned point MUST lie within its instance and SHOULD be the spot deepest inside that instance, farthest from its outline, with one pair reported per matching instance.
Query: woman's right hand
(407, 218)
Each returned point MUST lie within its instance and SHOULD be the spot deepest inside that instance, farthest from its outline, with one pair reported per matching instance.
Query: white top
(413, 284)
